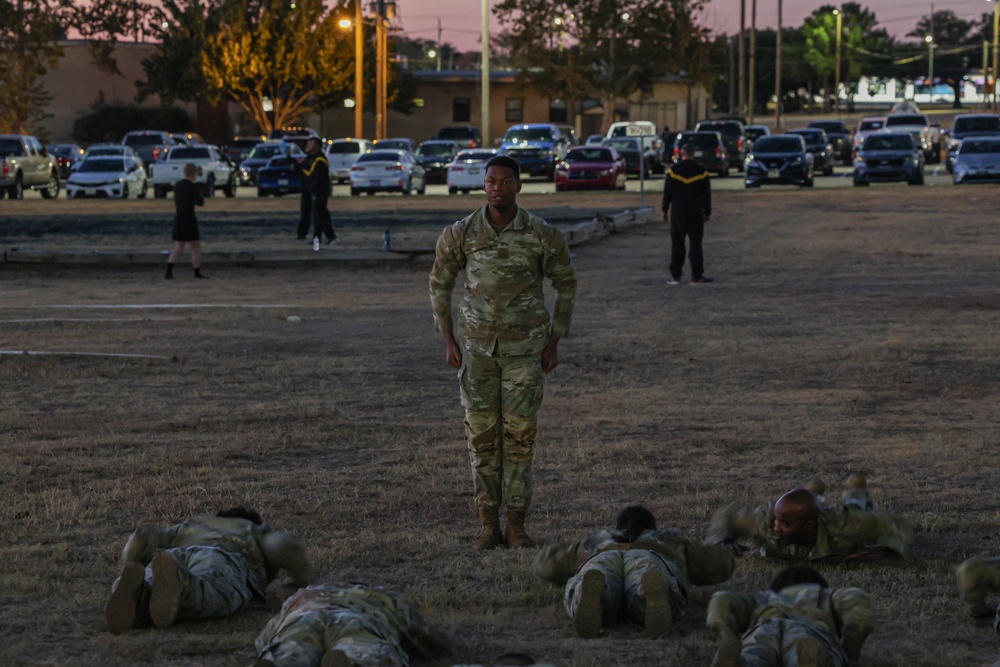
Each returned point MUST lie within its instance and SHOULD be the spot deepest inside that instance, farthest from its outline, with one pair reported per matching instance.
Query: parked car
(387, 171)
(435, 157)
(865, 127)
(977, 159)
(819, 148)
(397, 144)
(108, 176)
(753, 133)
(591, 168)
(187, 138)
(969, 125)
(66, 156)
(259, 156)
(889, 156)
(239, 148)
(466, 136)
(342, 154)
(277, 178)
(652, 144)
(904, 106)
(111, 150)
(536, 147)
(839, 137)
(151, 145)
(780, 158)
(214, 171)
(709, 150)
(595, 139)
(24, 163)
(925, 133)
(467, 171)
(630, 149)
(280, 133)
(733, 134)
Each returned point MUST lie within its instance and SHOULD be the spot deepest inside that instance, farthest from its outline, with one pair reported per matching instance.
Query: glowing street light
(840, 31)
(359, 69)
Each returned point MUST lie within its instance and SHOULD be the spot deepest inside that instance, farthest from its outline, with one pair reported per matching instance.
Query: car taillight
(156, 154)
(6, 168)
(718, 151)
(472, 144)
(739, 144)
(395, 167)
(455, 167)
(677, 151)
(357, 168)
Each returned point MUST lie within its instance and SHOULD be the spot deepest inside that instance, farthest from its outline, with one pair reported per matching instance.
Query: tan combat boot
(490, 536)
(517, 538)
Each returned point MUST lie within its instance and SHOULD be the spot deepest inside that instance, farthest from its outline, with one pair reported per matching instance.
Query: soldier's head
(687, 151)
(632, 522)
(503, 181)
(312, 145)
(241, 512)
(793, 575)
(796, 516)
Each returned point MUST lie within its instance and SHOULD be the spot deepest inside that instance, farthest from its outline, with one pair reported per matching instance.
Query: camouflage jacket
(699, 563)
(845, 612)
(841, 531)
(503, 310)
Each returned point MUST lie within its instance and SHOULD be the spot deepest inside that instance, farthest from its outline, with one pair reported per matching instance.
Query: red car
(591, 168)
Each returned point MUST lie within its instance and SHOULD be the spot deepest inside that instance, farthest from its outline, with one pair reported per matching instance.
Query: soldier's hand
(550, 358)
(665, 216)
(453, 355)
(736, 549)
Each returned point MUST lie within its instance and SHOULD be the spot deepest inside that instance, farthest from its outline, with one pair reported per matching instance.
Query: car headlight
(607, 172)
(797, 160)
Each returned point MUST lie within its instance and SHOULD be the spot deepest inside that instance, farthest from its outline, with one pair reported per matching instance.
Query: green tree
(28, 29)
(955, 40)
(603, 49)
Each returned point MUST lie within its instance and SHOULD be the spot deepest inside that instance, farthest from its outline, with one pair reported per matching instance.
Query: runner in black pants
(687, 206)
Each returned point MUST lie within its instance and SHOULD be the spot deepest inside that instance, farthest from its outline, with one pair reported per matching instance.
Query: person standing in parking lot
(687, 206)
(315, 171)
(187, 195)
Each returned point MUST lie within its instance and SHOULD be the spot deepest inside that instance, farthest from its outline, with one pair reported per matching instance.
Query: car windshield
(811, 138)
(344, 148)
(589, 155)
(391, 144)
(708, 141)
(63, 151)
(456, 133)
(380, 156)
(106, 150)
(475, 156)
(755, 133)
(436, 150)
(102, 165)
(905, 119)
(888, 142)
(278, 161)
(265, 151)
(829, 126)
(730, 129)
(623, 144)
(144, 140)
(778, 145)
(190, 154)
(10, 147)
(979, 146)
(870, 125)
(528, 134)
(990, 124)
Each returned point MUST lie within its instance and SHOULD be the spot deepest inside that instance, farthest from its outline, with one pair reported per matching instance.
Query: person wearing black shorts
(187, 195)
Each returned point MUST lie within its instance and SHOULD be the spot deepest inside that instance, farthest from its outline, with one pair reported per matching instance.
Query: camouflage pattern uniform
(775, 625)
(503, 328)
(678, 560)
(841, 529)
(220, 564)
(369, 625)
(978, 578)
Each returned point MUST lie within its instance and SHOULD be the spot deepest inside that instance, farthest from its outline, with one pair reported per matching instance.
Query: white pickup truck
(925, 133)
(214, 170)
(24, 163)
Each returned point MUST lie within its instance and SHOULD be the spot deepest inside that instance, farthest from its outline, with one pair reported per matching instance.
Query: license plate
(773, 173)
(374, 184)
(474, 170)
(282, 181)
(874, 163)
(698, 153)
(90, 192)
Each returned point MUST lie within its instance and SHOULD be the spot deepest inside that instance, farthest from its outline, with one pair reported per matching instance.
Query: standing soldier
(687, 206)
(508, 340)
(315, 170)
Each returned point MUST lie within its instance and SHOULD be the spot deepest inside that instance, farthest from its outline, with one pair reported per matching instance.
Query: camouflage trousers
(977, 579)
(776, 643)
(501, 397)
(214, 582)
(623, 595)
(323, 618)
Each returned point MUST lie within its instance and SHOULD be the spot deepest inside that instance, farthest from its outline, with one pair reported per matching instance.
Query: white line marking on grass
(39, 353)
(170, 305)
(94, 319)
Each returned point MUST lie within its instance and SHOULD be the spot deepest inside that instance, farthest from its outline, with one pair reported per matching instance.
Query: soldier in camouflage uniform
(799, 622)
(507, 340)
(636, 572)
(206, 567)
(798, 527)
(339, 625)
(978, 578)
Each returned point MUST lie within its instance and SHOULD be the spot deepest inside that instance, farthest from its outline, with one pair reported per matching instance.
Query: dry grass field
(847, 331)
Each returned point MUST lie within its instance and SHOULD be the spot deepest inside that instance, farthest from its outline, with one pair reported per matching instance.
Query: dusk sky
(461, 20)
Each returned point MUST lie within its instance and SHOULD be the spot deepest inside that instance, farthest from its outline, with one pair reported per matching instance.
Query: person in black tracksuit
(187, 195)
(687, 206)
(315, 170)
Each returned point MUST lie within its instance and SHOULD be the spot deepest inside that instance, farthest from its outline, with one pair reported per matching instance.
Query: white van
(342, 154)
(645, 130)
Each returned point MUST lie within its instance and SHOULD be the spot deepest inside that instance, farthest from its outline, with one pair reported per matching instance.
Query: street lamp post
(996, 48)
(930, 68)
(777, 72)
(836, 86)
(359, 55)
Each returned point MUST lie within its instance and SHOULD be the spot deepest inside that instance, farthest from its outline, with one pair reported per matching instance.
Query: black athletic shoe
(702, 280)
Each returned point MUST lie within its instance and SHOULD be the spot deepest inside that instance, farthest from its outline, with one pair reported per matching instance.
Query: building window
(515, 109)
(557, 111)
(461, 109)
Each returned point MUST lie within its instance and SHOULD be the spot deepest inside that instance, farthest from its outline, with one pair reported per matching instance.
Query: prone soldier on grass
(978, 578)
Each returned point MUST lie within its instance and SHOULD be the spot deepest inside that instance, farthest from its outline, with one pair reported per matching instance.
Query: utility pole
(741, 74)
(438, 49)
(777, 72)
(836, 86)
(996, 48)
(753, 60)
(484, 102)
(359, 70)
(733, 102)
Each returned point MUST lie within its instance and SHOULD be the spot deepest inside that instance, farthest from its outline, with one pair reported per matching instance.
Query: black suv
(732, 134)
(839, 137)
(466, 136)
